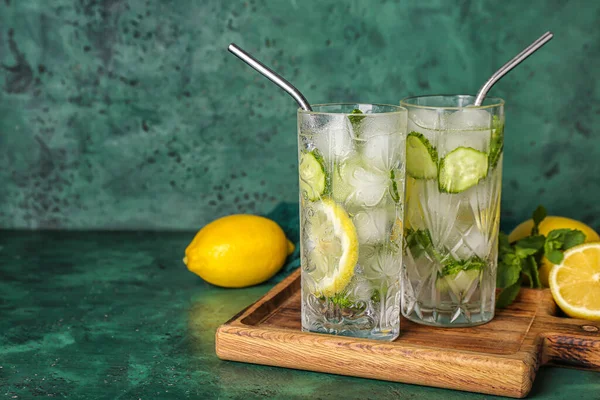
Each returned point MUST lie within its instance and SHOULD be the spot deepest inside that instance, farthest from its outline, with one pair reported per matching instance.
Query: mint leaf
(394, 191)
(555, 256)
(559, 240)
(530, 268)
(529, 245)
(558, 234)
(509, 270)
(497, 142)
(452, 266)
(343, 300)
(376, 296)
(553, 244)
(509, 263)
(573, 238)
(538, 216)
(509, 294)
(503, 244)
(355, 119)
(418, 241)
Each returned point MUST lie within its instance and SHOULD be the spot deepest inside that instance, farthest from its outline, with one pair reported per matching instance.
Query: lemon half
(575, 283)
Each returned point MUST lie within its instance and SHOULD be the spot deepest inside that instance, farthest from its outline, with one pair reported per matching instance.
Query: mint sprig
(342, 300)
(524, 257)
(419, 242)
(453, 267)
(355, 119)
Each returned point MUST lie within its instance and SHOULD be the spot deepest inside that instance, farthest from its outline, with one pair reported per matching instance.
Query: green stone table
(117, 315)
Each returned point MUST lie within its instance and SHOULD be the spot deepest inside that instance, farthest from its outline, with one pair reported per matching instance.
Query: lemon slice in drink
(575, 283)
(331, 246)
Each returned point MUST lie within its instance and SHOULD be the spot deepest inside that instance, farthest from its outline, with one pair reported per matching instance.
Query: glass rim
(398, 109)
(496, 102)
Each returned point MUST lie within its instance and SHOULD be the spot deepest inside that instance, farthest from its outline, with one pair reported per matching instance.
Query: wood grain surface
(500, 357)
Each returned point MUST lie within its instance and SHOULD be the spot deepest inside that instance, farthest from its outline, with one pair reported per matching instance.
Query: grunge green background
(131, 114)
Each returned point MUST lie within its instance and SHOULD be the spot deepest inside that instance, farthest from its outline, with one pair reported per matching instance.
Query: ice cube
(427, 122)
(383, 152)
(368, 187)
(334, 138)
(372, 226)
(379, 124)
(467, 128)
(469, 119)
(357, 186)
(425, 118)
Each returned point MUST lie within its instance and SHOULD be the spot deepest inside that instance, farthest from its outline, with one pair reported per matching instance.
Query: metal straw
(270, 75)
(506, 68)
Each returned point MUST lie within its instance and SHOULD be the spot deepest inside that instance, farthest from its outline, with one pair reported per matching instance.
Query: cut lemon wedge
(331, 247)
(575, 283)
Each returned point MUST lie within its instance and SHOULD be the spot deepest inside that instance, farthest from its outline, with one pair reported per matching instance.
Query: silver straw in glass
(506, 68)
(270, 75)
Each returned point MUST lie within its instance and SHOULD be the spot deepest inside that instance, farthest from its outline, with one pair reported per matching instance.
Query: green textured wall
(132, 114)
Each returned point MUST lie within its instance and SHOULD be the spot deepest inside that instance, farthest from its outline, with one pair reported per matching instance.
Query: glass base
(374, 318)
(361, 334)
(451, 316)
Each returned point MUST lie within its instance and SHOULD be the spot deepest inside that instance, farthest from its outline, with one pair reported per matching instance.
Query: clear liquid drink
(452, 214)
(352, 168)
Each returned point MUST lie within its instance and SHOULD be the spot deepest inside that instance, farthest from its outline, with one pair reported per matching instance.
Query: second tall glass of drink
(452, 215)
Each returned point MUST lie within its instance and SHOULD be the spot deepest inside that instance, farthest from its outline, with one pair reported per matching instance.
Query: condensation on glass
(452, 212)
(352, 169)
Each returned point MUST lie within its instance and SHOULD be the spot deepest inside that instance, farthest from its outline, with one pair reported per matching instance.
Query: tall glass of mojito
(452, 213)
(351, 168)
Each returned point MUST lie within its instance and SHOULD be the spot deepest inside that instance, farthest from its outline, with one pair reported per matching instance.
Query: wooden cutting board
(500, 357)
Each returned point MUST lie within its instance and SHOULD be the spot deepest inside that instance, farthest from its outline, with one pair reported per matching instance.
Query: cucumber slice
(458, 283)
(421, 157)
(313, 179)
(341, 187)
(458, 276)
(461, 169)
(497, 142)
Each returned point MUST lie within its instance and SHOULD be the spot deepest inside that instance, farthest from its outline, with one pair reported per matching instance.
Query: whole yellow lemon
(238, 251)
(549, 224)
